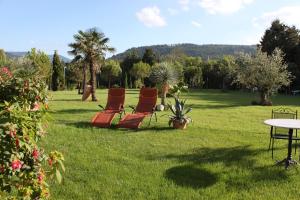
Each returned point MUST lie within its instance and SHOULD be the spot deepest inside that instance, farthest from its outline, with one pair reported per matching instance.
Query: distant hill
(204, 51)
(21, 54)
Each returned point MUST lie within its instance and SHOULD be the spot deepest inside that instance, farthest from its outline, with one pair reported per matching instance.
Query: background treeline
(198, 66)
(204, 51)
(214, 70)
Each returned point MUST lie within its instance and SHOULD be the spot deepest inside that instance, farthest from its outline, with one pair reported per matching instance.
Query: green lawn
(222, 155)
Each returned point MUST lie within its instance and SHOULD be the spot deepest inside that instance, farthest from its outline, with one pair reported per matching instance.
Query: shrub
(24, 166)
(266, 73)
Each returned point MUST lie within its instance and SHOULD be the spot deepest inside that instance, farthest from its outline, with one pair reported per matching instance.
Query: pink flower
(6, 71)
(40, 177)
(16, 164)
(35, 154)
(36, 106)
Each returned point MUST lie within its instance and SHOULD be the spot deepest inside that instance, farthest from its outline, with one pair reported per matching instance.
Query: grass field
(222, 155)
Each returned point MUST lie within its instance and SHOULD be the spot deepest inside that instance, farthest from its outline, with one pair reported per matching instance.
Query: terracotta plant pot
(178, 125)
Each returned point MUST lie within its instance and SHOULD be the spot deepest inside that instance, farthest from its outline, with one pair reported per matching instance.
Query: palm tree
(91, 46)
(166, 75)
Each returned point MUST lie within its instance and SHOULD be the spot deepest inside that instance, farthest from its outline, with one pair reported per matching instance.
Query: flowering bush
(24, 166)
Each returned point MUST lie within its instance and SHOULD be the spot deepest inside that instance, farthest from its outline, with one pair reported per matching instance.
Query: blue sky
(50, 25)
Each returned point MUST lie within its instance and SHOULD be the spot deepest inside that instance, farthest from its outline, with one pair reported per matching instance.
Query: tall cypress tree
(57, 73)
(126, 66)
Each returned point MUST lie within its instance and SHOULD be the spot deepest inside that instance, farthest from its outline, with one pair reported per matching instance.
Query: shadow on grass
(87, 124)
(151, 128)
(74, 111)
(79, 124)
(240, 167)
(66, 100)
(241, 156)
(198, 106)
(190, 176)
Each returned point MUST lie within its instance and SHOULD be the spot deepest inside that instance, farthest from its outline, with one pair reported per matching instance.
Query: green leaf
(172, 108)
(62, 165)
(188, 110)
(58, 176)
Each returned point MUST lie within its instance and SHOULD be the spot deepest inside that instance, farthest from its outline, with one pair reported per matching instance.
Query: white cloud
(172, 11)
(150, 16)
(184, 4)
(289, 15)
(196, 24)
(223, 6)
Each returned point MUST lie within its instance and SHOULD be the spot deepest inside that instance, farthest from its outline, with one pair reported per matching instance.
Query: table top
(284, 123)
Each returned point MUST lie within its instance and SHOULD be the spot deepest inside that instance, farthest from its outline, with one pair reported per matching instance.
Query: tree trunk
(130, 82)
(78, 87)
(264, 99)
(164, 91)
(84, 78)
(92, 80)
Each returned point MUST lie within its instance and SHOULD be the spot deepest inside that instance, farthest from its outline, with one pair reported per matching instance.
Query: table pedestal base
(287, 162)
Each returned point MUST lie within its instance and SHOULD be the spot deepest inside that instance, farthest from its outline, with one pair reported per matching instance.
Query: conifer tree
(57, 73)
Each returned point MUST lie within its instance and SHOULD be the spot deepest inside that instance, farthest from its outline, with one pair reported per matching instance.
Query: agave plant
(179, 112)
(165, 75)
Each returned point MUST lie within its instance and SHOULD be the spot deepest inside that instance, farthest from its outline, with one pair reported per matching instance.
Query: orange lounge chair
(114, 105)
(145, 107)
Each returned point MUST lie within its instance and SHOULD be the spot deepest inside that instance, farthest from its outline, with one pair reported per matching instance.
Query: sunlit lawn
(222, 155)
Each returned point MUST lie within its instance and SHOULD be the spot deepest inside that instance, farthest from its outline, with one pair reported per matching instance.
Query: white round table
(290, 124)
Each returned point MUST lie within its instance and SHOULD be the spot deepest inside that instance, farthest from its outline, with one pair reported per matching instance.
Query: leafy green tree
(193, 76)
(266, 73)
(40, 63)
(80, 63)
(280, 36)
(91, 45)
(226, 67)
(192, 71)
(73, 76)
(140, 71)
(164, 74)
(111, 69)
(287, 39)
(127, 65)
(149, 57)
(57, 73)
(209, 74)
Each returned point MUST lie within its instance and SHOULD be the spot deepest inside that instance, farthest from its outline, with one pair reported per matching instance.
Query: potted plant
(179, 120)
